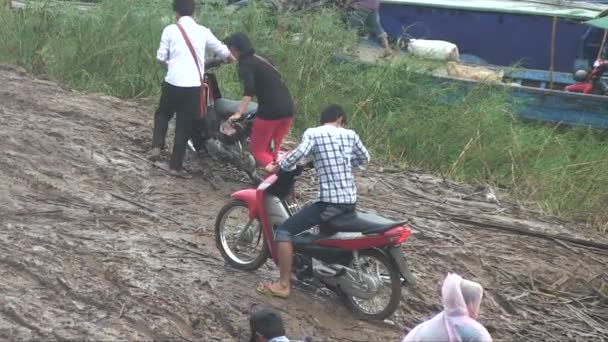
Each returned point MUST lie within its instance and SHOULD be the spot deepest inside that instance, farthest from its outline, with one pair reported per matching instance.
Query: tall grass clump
(108, 49)
(402, 116)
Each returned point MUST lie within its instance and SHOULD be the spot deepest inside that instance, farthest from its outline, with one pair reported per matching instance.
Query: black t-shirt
(262, 80)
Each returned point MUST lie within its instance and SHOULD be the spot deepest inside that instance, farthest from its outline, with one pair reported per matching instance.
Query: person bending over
(275, 111)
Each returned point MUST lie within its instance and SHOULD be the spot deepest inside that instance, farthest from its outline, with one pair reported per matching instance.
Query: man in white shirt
(181, 87)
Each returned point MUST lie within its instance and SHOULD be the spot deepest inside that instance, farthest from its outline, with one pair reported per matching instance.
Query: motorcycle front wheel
(239, 238)
(388, 297)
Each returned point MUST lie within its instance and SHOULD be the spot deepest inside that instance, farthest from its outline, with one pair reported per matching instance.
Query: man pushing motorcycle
(334, 151)
(275, 112)
(182, 50)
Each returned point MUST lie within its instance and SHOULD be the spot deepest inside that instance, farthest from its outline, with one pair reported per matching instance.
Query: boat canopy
(561, 9)
(601, 23)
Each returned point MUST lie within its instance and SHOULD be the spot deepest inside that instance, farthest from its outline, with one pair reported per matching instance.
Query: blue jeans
(310, 216)
(364, 17)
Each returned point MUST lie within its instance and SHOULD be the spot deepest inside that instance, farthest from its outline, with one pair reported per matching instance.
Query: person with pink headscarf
(458, 320)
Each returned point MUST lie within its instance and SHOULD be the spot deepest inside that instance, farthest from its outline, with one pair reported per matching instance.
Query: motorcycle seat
(364, 223)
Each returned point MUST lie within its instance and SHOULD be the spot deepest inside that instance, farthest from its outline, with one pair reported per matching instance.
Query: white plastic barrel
(434, 49)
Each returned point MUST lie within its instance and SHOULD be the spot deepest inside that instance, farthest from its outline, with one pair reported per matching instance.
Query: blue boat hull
(544, 105)
(498, 38)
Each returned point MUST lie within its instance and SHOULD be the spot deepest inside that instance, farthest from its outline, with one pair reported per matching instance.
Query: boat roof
(599, 23)
(561, 9)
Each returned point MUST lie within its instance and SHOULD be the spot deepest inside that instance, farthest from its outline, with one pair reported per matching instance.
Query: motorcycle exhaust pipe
(327, 271)
(323, 270)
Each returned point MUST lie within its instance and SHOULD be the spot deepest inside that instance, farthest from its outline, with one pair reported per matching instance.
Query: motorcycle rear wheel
(222, 240)
(394, 283)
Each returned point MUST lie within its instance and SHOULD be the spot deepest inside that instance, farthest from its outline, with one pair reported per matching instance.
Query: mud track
(97, 243)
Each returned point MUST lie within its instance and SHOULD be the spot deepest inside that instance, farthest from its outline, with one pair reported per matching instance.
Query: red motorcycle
(590, 82)
(356, 255)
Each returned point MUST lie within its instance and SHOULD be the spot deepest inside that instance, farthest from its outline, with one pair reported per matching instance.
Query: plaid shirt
(335, 151)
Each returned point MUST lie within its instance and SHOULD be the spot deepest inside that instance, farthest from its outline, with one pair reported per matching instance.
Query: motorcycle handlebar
(284, 182)
(290, 174)
(213, 63)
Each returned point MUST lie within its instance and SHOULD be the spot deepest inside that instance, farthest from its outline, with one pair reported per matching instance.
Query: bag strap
(192, 51)
(267, 62)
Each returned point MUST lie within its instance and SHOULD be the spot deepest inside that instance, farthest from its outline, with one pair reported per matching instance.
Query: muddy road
(98, 243)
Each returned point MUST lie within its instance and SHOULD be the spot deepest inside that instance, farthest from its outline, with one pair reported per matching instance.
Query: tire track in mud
(114, 292)
(14, 317)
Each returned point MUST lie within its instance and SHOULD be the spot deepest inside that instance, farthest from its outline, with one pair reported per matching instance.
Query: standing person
(181, 89)
(335, 151)
(365, 13)
(458, 321)
(275, 111)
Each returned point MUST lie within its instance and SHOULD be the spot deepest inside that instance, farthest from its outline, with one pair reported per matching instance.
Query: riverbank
(111, 49)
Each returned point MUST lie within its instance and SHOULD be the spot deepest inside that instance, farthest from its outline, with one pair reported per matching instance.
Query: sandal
(267, 291)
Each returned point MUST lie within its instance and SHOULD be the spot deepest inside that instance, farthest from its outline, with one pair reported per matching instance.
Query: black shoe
(181, 173)
(154, 155)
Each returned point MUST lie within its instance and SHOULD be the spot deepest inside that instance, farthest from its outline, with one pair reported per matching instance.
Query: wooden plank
(524, 231)
(539, 75)
(552, 63)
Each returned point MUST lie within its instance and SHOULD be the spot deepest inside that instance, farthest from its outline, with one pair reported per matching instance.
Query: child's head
(265, 324)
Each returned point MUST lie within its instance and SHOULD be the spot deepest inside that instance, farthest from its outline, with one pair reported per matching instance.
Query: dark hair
(332, 113)
(183, 7)
(267, 323)
(240, 41)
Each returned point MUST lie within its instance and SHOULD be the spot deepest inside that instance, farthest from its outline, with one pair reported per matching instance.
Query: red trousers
(262, 133)
(585, 88)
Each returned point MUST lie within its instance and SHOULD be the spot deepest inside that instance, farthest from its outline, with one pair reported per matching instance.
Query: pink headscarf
(457, 322)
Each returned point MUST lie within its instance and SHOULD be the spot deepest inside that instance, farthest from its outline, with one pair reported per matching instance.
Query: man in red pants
(275, 105)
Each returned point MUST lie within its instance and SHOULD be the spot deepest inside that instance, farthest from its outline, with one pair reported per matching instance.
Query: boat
(530, 95)
(503, 32)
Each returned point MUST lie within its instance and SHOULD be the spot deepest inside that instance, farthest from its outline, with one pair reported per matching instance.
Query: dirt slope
(97, 243)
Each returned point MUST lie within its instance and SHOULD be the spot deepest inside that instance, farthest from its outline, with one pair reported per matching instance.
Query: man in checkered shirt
(335, 151)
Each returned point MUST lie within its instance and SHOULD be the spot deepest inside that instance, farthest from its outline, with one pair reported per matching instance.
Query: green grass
(397, 112)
